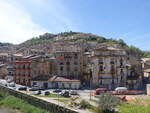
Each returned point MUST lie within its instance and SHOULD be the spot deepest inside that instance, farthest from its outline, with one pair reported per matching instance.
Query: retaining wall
(36, 101)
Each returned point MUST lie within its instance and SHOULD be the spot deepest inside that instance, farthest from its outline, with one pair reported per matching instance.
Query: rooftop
(53, 79)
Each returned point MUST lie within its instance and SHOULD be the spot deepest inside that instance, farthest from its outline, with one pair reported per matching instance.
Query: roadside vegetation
(106, 103)
(111, 104)
(135, 106)
(18, 104)
(56, 97)
(50, 95)
(132, 108)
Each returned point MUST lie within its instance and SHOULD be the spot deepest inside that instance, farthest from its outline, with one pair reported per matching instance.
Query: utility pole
(90, 80)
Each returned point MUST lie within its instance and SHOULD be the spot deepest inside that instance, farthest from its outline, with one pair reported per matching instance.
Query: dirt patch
(5, 110)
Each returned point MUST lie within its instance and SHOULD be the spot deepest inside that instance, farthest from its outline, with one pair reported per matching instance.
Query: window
(29, 74)
(75, 63)
(76, 69)
(67, 63)
(100, 60)
(112, 81)
(61, 68)
(112, 68)
(23, 67)
(69, 85)
(101, 68)
(61, 63)
(68, 68)
(63, 86)
(121, 70)
(76, 55)
(112, 61)
(121, 77)
(101, 82)
(132, 73)
(121, 62)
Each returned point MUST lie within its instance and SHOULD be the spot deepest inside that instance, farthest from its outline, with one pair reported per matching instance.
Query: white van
(121, 90)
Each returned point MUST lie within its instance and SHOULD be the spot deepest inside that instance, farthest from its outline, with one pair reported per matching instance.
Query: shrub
(84, 104)
(107, 102)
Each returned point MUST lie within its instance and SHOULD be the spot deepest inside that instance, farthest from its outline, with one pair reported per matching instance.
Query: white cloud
(16, 25)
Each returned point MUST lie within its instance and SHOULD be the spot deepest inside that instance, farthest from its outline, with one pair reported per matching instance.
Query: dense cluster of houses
(73, 66)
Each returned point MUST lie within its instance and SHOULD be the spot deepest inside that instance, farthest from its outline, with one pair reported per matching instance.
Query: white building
(55, 82)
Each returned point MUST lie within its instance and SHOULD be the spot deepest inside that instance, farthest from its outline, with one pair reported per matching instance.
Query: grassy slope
(135, 106)
(24, 107)
(131, 108)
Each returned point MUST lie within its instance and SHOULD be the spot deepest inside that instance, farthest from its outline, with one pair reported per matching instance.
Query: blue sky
(119, 19)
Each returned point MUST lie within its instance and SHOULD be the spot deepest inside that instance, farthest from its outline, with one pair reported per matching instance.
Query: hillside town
(74, 56)
(73, 71)
(69, 65)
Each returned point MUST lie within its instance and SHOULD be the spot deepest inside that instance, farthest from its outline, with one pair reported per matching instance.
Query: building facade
(55, 82)
(68, 64)
(112, 67)
(29, 67)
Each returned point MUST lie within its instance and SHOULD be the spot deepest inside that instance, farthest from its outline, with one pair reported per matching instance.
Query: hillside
(7, 48)
(45, 41)
(78, 36)
(73, 37)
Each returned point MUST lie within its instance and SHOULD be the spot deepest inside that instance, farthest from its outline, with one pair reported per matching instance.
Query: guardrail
(54, 108)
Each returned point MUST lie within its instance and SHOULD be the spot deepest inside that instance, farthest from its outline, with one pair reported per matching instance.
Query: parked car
(65, 94)
(100, 90)
(46, 93)
(73, 92)
(3, 83)
(121, 90)
(22, 88)
(12, 84)
(57, 90)
(35, 89)
(37, 92)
